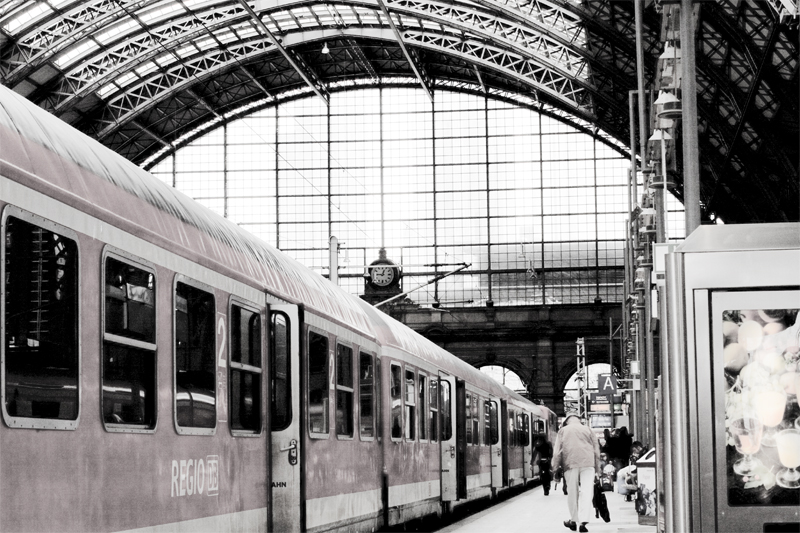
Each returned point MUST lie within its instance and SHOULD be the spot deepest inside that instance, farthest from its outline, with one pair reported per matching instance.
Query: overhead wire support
(423, 79)
(295, 61)
(432, 280)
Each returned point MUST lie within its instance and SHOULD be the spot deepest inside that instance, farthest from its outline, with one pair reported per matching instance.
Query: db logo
(195, 476)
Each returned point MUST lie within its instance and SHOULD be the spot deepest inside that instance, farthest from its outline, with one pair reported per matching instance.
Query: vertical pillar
(691, 151)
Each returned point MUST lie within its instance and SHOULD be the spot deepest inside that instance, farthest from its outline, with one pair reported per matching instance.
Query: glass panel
(195, 362)
(245, 386)
(41, 323)
(762, 417)
(129, 385)
(476, 421)
(130, 301)
(344, 392)
(366, 384)
(245, 336)
(493, 425)
(433, 417)
(410, 419)
(318, 383)
(468, 416)
(397, 401)
(487, 423)
(281, 389)
(423, 391)
(447, 428)
(245, 400)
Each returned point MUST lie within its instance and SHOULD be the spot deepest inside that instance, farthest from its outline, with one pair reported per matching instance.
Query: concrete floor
(533, 512)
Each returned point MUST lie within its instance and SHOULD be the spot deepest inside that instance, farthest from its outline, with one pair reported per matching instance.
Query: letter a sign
(606, 383)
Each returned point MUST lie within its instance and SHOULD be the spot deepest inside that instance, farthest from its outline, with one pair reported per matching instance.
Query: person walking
(578, 453)
(545, 451)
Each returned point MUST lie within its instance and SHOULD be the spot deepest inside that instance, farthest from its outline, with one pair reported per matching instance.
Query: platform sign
(606, 384)
(597, 397)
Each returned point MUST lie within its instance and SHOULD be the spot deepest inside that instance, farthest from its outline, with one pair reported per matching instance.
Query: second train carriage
(162, 368)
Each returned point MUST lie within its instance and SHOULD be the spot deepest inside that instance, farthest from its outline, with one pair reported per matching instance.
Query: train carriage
(161, 368)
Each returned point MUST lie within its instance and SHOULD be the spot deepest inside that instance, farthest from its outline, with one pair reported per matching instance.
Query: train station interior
(517, 181)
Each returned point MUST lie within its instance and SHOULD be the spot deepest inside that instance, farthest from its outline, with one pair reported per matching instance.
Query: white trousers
(580, 489)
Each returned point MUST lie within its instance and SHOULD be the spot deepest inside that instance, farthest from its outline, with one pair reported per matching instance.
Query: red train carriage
(162, 368)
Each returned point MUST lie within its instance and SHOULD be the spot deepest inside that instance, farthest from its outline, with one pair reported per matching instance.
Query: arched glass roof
(145, 76)
(534, 206)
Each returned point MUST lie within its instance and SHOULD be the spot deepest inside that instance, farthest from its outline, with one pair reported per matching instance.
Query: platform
(533, 511)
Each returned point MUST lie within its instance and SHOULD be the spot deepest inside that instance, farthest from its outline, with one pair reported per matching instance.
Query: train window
(411, 409)
(526, 432)
(195, 359)
(317, 383)
(423, 391)
(245, 369)
(129, 350)
(397, 401)
(512, 431)
(344, 391)
(433, 398)
(468, 417)
(378, 398)
(281, 404)
(487, 423)
(445, 411)
(366, 383)
(42, 365)
(476, 421)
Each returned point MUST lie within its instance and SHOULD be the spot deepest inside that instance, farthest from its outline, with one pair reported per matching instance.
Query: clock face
(381, 275)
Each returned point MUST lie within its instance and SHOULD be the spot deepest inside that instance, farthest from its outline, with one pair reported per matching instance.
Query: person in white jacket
(577, 451)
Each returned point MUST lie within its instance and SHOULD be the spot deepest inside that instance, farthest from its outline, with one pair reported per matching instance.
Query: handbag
(600, 503)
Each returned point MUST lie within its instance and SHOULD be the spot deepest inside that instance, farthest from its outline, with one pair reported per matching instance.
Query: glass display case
(733, 373)
(756, 355)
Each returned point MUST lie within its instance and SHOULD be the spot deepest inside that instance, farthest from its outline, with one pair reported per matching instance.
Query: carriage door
(284, 352)
(506, 439)
(461, 439)
(447, 438)
(496, 442)
(527, 450)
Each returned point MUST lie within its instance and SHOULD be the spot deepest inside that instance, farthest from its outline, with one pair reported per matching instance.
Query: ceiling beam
(294, 60)
(424, 80)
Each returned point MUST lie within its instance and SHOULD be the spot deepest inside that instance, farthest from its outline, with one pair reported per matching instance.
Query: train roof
(253, 258)
(29, 137)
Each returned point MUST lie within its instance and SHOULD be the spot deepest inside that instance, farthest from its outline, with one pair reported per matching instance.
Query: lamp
(325, 49)
(668, 105)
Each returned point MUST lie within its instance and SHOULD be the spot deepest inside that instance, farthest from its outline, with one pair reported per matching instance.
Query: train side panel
(92, 479)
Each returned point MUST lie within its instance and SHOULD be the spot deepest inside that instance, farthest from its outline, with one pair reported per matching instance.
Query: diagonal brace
(423, 80)
(294, 60)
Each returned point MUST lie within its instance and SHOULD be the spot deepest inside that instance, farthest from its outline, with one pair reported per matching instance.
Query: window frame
(468, 419)
(422, 406)
(269, 356)
(343, 388)
(409, 426)
(199, 285)
(433, 409)
(241, 367)
(23, 421)
(373, 401)
(399, 398)
(125, 257)
(320, 435)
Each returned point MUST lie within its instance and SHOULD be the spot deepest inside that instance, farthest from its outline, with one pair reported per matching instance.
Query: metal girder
(361, 59)
(424, 79)
(294, 60)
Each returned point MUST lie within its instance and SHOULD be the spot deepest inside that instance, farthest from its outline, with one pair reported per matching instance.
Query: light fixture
(660, 135)
(670, 52)
(668, 105)
(325, 49)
